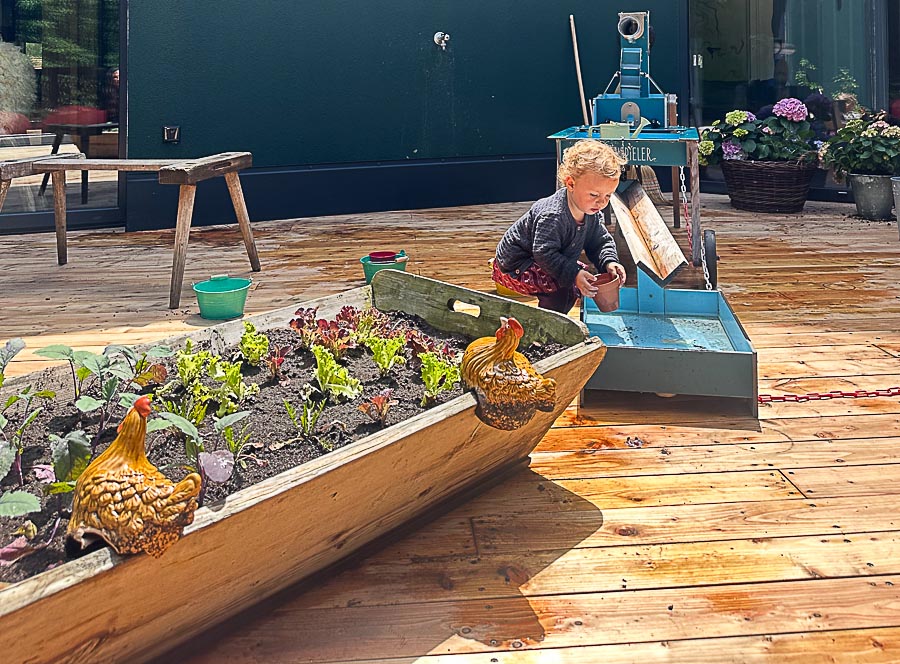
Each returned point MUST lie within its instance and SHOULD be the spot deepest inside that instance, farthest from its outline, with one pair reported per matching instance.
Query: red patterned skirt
(532, 281)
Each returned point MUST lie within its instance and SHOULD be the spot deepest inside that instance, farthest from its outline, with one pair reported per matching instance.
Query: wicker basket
(768, 186)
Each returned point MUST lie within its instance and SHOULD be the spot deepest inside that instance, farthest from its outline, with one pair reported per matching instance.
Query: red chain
(833, 394)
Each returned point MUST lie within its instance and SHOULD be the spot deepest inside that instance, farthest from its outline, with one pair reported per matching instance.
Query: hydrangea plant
(864, 148)
(785, 135)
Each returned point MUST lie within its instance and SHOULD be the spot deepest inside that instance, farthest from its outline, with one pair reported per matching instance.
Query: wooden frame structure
(184, 173)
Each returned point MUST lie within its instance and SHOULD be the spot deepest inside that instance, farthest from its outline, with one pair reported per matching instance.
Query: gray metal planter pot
(873, 195)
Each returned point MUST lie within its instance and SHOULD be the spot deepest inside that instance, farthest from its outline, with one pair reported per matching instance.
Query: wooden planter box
(107, 608)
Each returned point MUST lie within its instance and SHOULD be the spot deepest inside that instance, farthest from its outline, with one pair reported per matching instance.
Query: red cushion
(13, 123)
(75, 115)
(895, 108)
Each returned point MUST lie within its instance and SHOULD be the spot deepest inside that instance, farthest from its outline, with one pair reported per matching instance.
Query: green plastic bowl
(222, 296)
(370, 267)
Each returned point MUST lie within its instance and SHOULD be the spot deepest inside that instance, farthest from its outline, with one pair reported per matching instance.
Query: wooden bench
(185, 173)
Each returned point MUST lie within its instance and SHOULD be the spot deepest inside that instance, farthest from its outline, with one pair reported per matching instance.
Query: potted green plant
(767, 163)
(867, 152)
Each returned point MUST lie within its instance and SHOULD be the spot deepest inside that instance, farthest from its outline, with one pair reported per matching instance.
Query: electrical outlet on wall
(171, 134)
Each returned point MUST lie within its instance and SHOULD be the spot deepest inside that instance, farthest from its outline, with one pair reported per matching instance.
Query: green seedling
(438, 375)
(12, 434)
(253, 345)
(333, 379)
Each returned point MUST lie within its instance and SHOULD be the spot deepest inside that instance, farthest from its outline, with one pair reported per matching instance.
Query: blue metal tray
(673, 341)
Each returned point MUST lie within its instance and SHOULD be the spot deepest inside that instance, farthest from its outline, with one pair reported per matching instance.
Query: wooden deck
(713, 538)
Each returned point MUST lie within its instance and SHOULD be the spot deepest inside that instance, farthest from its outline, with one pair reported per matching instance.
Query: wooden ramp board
(651, 244)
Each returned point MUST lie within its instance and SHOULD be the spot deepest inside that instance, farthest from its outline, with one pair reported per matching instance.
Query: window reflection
(60, 93)
(756, 52)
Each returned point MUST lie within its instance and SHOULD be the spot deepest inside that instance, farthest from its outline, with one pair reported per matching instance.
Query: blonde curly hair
(592, 156)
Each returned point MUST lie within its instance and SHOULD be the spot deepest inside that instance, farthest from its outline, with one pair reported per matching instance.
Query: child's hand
(584, 281)
(617, 270)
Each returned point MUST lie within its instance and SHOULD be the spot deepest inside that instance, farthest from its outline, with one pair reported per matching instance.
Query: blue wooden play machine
(667, 340)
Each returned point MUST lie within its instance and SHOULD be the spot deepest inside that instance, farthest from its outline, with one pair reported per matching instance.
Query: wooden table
(186, 174)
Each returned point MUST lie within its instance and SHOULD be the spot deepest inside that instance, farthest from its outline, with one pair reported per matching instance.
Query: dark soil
(340, 424)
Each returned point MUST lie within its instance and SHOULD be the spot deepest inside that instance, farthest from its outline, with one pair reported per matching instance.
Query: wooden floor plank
(824, 353)
(562, 621)
(881, 365)
(875, 337)
(715, 458)
(513, 530)
(566, 437)
(892, 347)
(386, 578)
(875, 480)
(620, 409)
(534, 492)
(869, 646)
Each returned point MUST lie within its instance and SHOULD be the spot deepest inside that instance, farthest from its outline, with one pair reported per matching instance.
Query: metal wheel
(712, 258)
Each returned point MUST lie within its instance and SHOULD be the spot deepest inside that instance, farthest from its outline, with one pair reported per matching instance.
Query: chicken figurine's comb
(508, 389)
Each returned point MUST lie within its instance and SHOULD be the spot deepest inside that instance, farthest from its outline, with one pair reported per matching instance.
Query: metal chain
(684, 211)
(690, 231)
(824, 396)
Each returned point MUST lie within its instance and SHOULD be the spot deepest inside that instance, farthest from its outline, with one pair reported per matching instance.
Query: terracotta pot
(607, 297)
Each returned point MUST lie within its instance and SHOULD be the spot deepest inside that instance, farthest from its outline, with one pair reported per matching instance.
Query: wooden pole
(578, 70)
(59, 213)
(240, 209)
(4, 188)
(182, 232)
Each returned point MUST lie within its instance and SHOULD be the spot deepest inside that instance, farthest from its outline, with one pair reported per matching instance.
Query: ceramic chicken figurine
(507, 387)
(122, 498)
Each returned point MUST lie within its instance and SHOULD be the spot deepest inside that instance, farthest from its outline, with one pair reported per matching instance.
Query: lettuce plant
(378, 406)
(334, 338)
(233, 392)
(386, 352)
(363, 323)
(305, 326)
(274, 360)
(334, 379)
(253, 345)
(438, 374)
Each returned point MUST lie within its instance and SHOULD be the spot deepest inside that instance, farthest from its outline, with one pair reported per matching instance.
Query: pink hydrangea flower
(791, 109)
(731, 151)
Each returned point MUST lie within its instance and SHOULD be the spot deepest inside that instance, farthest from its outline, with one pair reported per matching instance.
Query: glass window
(60, 93)
(894, 58)
(755, 52)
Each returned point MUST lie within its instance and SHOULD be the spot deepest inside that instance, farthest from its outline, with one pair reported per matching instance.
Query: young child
(538, 255)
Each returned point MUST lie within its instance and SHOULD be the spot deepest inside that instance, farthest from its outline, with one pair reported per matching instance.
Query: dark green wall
(299, 82)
